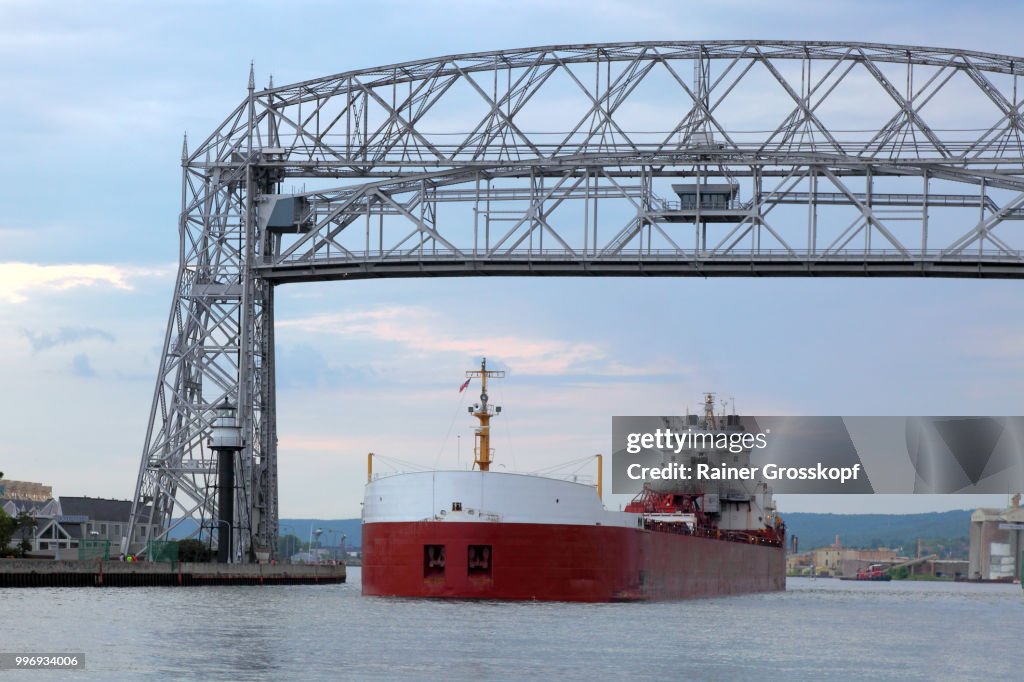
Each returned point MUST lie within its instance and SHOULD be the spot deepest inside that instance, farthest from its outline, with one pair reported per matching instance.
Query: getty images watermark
(823, 454)
(673, 443)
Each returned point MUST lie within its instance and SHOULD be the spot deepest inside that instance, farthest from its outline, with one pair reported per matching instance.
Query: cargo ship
(483, 534)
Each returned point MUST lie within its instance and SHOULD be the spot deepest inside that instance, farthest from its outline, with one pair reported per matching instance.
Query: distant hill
(352, 528)
(873, 530)
(301, 528)
(814, 530)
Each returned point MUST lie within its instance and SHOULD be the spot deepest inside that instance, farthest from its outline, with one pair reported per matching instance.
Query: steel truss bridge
(666, 158)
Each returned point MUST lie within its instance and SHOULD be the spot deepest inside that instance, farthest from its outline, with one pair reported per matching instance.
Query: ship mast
(710, 422)
(482, 455)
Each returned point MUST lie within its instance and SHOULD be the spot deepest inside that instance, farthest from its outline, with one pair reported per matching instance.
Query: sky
(97, 98)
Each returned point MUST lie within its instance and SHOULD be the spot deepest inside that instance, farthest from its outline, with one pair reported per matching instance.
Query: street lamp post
(288, 531)
(93, 534)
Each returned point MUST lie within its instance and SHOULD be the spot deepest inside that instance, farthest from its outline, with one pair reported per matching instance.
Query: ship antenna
(482, 453)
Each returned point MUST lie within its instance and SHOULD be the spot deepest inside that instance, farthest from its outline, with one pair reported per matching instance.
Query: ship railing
(404, 467)
(752, 537)
(397, 466)
(572, 478)
(388, 474)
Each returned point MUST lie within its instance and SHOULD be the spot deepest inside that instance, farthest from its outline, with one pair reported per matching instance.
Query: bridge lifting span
(723, 158)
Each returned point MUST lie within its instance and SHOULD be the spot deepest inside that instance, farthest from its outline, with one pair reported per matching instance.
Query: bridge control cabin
(281, 214)
(715, 202)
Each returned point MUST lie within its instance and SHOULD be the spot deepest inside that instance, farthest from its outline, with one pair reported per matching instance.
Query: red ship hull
(552, 562)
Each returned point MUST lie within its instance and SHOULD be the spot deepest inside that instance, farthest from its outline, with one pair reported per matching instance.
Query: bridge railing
(859, 255)
(569, 151)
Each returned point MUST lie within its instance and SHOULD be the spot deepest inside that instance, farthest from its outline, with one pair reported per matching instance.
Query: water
(818, 628)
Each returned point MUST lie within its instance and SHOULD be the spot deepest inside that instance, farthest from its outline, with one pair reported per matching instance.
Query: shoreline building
(28, 491)
(997, 542)
(105, 520)
(36, 500)
(70, 527)
(836, 560)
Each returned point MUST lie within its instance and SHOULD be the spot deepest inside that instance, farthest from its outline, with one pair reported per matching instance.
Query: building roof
(97, 508)
(1011, 514)
(34, 507)
(74, 530)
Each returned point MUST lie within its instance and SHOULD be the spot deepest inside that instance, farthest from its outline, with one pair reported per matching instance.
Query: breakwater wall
(32, 573)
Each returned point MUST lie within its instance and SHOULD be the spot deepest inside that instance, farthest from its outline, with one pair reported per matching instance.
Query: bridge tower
(218, 348)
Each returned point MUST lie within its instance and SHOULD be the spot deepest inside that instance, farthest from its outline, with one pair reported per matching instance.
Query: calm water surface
(817, 628)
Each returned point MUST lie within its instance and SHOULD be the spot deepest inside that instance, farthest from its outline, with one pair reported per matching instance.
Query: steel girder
(847, 159)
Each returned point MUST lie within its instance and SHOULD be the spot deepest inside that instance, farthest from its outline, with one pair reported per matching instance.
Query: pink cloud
(19, 281)
(423, 332)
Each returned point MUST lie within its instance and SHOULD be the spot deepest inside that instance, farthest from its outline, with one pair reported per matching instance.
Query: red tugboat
(492, 535)
(874, 572)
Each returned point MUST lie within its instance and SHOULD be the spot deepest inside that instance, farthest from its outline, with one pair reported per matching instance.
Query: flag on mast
(465, 385)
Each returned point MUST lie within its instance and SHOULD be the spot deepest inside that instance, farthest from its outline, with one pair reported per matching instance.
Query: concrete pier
(30, 573)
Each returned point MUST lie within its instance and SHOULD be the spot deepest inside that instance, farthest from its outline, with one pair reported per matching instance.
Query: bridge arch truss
(723, 158)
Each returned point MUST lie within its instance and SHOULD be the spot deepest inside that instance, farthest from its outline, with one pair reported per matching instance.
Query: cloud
(421, 331)
(999, 345)
(20, 281)
(315, 443)
(81, 367)
(65, 336)
(302, 366)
